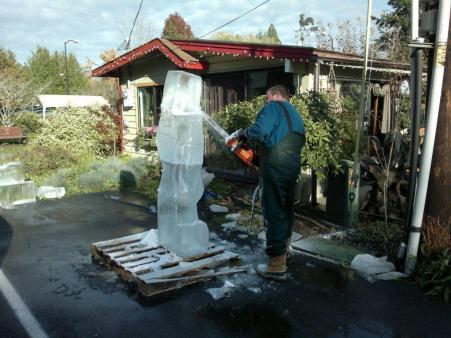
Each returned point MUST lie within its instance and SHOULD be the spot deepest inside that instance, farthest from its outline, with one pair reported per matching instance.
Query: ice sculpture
(180, 143)
(14, 190)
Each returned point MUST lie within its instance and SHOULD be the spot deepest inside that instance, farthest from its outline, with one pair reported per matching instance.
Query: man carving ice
(280, 130)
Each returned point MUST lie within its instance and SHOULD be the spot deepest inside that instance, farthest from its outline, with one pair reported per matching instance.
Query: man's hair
(279, 89)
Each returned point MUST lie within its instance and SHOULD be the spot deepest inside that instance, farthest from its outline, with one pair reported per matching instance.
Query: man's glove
(236, 135)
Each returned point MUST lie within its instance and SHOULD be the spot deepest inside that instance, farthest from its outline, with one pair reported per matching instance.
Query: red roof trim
(246, 49)
(156, 44)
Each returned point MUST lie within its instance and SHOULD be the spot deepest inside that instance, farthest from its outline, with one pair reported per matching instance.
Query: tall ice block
(11, 173)
(180, 143)
(18, 193)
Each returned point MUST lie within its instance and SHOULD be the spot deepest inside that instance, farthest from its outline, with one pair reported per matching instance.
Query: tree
(438, 197)
(394, 30)
(272, 35)
(49, 69)
(175, 27)
(16, 96)
(9, 65)
(109, 55)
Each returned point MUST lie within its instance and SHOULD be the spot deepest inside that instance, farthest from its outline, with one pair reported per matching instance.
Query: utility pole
(438, 71)
(439, 193)
(65, 63)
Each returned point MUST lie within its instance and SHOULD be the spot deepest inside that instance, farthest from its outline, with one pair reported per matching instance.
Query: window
(149, 102)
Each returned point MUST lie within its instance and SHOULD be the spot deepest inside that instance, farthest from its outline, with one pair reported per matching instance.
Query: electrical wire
(126, 43)
(233, 20)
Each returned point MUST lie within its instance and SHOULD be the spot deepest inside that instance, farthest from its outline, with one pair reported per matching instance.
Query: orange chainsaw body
(245, 153)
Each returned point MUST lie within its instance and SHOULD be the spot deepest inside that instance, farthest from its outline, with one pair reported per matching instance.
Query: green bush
(324, 129)
(41, 161)
(82, 130)
(382, 238)
(29, 121)
(433, 273)
(107, 174)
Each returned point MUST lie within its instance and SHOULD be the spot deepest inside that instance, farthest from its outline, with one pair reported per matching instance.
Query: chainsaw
(239, 147)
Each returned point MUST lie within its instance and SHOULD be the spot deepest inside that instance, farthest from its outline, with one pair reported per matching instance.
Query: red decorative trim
(156, 44)
(294, 53)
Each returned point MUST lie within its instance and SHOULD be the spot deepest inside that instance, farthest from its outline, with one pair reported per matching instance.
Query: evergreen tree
(9, 65)
(271, 35)
(175, 27)
(394, 30)
(49, 69)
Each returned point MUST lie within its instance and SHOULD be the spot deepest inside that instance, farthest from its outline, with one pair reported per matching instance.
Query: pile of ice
(375, 268)
(180, 143)
(49, 192)
(14, 190)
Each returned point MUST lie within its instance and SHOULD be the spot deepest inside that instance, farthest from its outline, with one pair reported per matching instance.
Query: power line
(126, 43)
(238, 17)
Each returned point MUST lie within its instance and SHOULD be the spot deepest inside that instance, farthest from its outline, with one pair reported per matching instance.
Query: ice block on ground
(11, 173)
(180, 143)
(19, 193)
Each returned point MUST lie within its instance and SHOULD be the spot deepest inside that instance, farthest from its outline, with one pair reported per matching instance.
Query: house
(57, 101)
(232, 72)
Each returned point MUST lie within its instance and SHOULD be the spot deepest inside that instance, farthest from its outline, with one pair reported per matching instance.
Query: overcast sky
(101, 24)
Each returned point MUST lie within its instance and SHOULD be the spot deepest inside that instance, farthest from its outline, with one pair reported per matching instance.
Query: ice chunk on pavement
(151, 238)
(49, 192)
(218, 293)
(218, 208)
(243, 236)
(391, 275)
(370, 265)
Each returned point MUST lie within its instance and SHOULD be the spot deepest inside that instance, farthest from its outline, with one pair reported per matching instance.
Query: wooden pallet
(155, 270)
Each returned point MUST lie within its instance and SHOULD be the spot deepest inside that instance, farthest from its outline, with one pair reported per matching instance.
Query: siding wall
(143, 73)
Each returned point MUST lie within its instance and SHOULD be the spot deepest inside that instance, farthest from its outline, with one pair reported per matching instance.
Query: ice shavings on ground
(256, 290)
(218, 293)
(151, 238)
(218, 208)
(373, 268)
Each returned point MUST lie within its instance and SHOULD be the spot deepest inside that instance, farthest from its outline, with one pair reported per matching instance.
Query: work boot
(276, 269)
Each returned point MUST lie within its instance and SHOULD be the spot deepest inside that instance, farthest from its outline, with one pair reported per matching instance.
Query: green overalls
(279, 168)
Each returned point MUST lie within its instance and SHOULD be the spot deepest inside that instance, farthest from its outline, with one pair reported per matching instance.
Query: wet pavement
(44, 252)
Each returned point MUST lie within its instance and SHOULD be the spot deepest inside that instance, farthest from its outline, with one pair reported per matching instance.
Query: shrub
(41, 161)
(106, 174)
(323, 147)
(81, 130)
(383, 238)
(29, 121)
(324, 129)
(433, 272)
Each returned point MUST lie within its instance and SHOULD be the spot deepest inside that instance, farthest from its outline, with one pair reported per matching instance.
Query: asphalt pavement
(45, 255)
